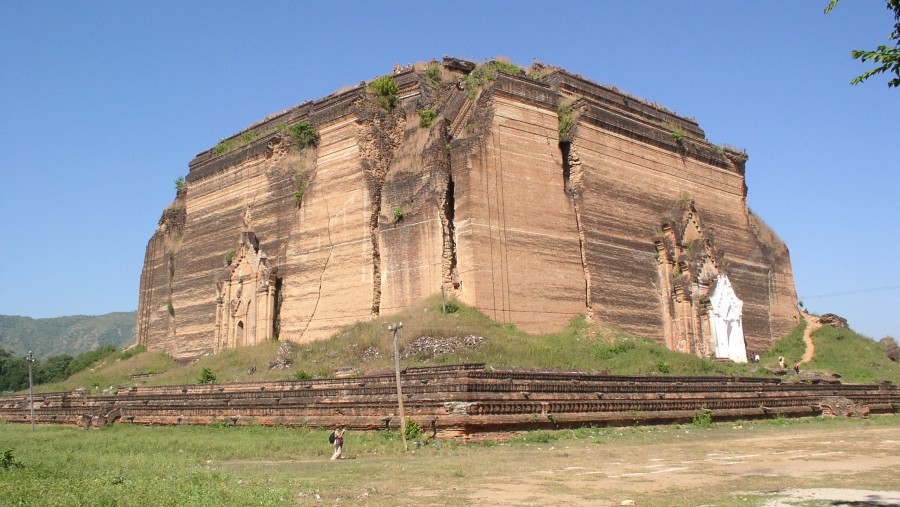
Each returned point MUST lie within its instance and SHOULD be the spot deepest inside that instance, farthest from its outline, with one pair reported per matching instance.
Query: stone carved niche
(699, 317)
(245, 307)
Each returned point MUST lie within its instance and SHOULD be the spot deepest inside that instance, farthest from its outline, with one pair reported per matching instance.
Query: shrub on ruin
(180, 184)
(301, 375)
(565, 116)
(301, 190)
(702, 418)
(206, 377)
(398, 214)
(508, 67)
(131, 352)
(426, 117)
(229, 256)
(304, 134)
(225, 145)
(433, 74)
(385, 89)
(678, 135)
(450, 307)
(413, 430)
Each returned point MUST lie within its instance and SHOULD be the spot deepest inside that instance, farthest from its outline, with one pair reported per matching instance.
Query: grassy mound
(463, 334)
(856, 357)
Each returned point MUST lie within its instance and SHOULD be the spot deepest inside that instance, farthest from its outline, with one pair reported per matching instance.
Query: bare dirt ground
(809, 463)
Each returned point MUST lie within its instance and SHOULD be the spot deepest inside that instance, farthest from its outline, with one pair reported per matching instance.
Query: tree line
(14, 370)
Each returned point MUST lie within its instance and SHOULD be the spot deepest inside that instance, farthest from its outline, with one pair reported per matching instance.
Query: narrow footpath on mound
(812, 325)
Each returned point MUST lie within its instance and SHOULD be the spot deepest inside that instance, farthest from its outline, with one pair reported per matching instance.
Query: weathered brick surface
(457, 400)
(496, 210)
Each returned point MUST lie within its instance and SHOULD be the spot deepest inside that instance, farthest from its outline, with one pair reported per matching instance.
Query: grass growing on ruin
(857, 358)
(114, 370)
(792, 347)
(465, 335)
(468, 335)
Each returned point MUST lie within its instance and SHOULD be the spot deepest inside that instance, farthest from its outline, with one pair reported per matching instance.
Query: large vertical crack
(450, 280)
(449, 274)
(379, 134)
(324, 268)
(376, 251)
(573, 174)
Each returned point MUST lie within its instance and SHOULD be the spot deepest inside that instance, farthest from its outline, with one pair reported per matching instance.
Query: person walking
(338, 444)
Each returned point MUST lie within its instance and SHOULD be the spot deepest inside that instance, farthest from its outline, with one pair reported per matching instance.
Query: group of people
(782, 364)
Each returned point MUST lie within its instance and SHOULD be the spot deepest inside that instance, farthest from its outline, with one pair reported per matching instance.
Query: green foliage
(129, 465)
(663, 367)
(301, 375)
(791, 347)
(539, 437)
(229, 255)
(14, 371)
(538, 74)
(385, 88)
(180, 184)
(855, 357)
(484, 73)
(398, 214)
(226, 145)
(206, 377)
(433, 74)
(131, 352)
(472, 84)
(678, 135)
(508, 67)
(564, 113)
(413, 430)
(87, 359)
(621, 347)
(426, 117)
(304, 134)
(580, 346)
(702, 419)
(301, 190)
(171, 309)
(8, 461)
(888, 57)
(450, 306)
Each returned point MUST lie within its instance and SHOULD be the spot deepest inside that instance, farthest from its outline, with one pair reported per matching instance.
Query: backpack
(331, 438)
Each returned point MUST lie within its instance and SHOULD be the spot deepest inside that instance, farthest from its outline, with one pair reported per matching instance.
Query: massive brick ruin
(534, 197)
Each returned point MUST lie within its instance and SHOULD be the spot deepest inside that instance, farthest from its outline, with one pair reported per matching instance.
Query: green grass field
(580, 346)
(127, 465)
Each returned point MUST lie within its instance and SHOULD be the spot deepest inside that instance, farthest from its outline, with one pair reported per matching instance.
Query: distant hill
(65, 335)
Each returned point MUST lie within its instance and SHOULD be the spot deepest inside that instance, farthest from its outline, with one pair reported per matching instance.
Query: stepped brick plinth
(459, 401)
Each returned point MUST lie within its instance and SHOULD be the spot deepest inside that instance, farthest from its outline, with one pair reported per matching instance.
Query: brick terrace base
(459, 401)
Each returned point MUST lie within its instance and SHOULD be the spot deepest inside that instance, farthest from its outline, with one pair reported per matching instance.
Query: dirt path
(811, 327)
(762, 464)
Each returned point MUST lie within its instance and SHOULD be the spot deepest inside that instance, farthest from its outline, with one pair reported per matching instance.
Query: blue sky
(103, 104)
